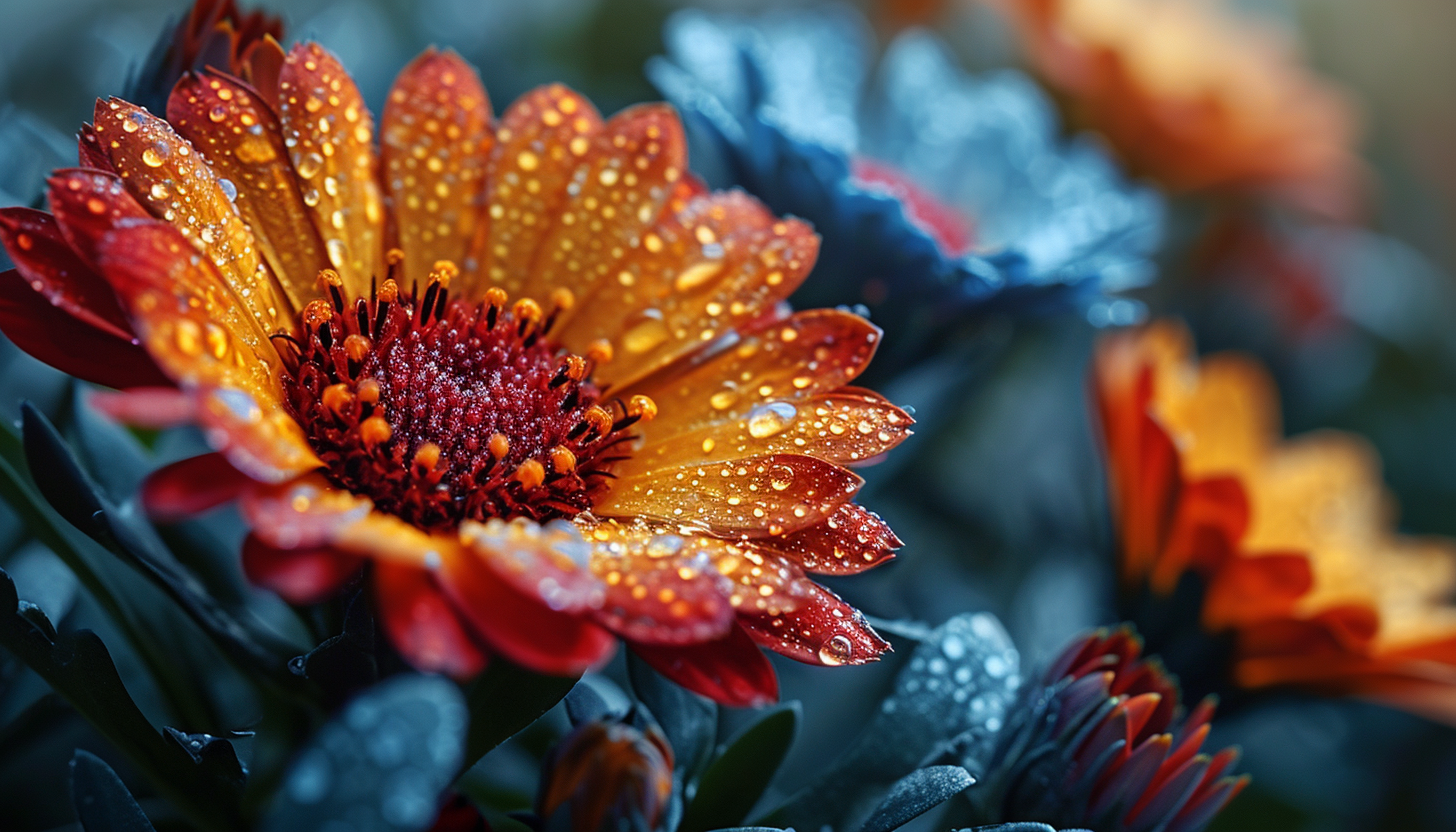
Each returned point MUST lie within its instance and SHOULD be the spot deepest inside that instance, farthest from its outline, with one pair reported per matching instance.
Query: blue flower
(937, 193)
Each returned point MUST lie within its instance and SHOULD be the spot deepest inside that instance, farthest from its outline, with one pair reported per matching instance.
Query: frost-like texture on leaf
(916, 794)
(937, 193)
(948, 704)
(381, 764)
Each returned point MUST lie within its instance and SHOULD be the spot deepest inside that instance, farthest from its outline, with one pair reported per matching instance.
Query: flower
(1100, 741)
(1292, 540)
(1196, 98)
(938, 194)
(606, 773)
(214, 33)
(530, 371)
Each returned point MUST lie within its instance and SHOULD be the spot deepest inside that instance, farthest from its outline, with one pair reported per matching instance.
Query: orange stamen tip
(562, 298)
(394, 256)
(329, 277)
(337, 397)
(575, 367)
(599, 351)
(496, 296)
(446, 269)
(562, 459)
(388, 291)
(499, 445)
(527, 310)
(317, 313)
(368, 391)
(530, 474)
(428, 456)
(357, 347)
(375, 431)
(598, 417)
(642, 406)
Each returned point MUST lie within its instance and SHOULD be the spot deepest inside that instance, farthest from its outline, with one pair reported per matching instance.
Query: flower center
(441, 410)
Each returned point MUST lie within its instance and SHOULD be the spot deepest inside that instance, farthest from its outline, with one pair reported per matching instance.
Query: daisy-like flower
(939, 194)
(528, 370)
(1292, 540)
(1196, 98)
(1100, 741)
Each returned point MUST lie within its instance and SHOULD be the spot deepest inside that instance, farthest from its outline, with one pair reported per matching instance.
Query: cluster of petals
(243, 263)
(1293, 540)
(1102, 742)
(1196, 98)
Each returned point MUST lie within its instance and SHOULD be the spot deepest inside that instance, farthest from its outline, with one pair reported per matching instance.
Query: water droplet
(769, 419)
(129, 124)
(188, 337)
(229, 190)
(156, 155)
(723, 399)
(159, 191)
(697, 274)
(780, 477)
(647, 333)
(338, 253)
(217, 113)
(255, 151)
(311, 197)
(309, 165)
(836, 651)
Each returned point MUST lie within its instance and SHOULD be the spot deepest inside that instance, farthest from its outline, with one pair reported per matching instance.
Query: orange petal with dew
(301, 576)
(90, 152)
(841, 427)
(436, 140)
(811, 352)
(330, 138)
(719, 264)
(543, 138)
(849, 541)
(169, 178)
(187, 320)
(238, 134)
(89, 203)
(191, 486)
(520, 627)
(422, 624)
(730, 671)
(820, 629)
(755, 497)
(618, 192)
(43, 255)
(550, 563)
(661, 587)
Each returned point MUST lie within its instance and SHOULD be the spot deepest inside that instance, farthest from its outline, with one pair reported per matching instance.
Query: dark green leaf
(344, 664)
(381, 764)
(736, 780)
(102, 801)
(503, 700)
(584, 704)
(916, 794)
(78, 667)
(689, 721)
(214, 755)
(71, 491)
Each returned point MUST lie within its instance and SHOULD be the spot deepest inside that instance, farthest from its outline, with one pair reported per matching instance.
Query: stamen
(374, 431)
(562, 459)
(330, 282)
(530, 474)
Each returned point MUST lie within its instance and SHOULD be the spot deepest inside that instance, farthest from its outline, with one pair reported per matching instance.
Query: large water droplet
(836, 651)
(309, 165)
(646, 333)
(156, 155)
(696, 275)
(229, 190)
(723, 399)
(159, 191)
(217, 113)
(338, 252)
(780, 477)
(769, 419)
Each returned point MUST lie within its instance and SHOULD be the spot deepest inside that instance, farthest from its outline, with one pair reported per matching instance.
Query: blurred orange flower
(1293, 539)
(1197, 99)
(530, 370)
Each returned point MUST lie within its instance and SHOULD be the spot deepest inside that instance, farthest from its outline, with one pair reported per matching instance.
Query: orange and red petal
(550, 563)
(436, 140)
(543, 136)
(517, 626)
(44, 256)
(661, 587)
(821, 629)
(238, 133)
(304, 575)
(849, 541)
(422, 624)
(755, 497)
(330, 139)
(730, 670)
(192, 486)
(68, 344)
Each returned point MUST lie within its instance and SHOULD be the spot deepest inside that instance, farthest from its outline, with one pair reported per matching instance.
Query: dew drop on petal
(156, 155)
(836, 651)
(309, 165)
(646, 333)
(780, 477)
(228, 188)
(766, 420)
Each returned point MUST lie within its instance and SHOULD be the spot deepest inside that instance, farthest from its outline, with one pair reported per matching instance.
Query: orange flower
(529, 370)
(1293, 539)
(1195, 98)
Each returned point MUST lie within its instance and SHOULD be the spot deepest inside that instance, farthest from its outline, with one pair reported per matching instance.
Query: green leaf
(915, 794)
(78, 667)
(505, 699)
(381, 764)
(689, 721)
(736, 780)
(102, 801)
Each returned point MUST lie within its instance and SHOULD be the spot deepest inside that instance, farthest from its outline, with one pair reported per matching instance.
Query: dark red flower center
(440, 410)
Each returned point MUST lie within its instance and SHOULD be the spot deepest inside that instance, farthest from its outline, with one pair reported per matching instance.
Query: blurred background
(1000, 497)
